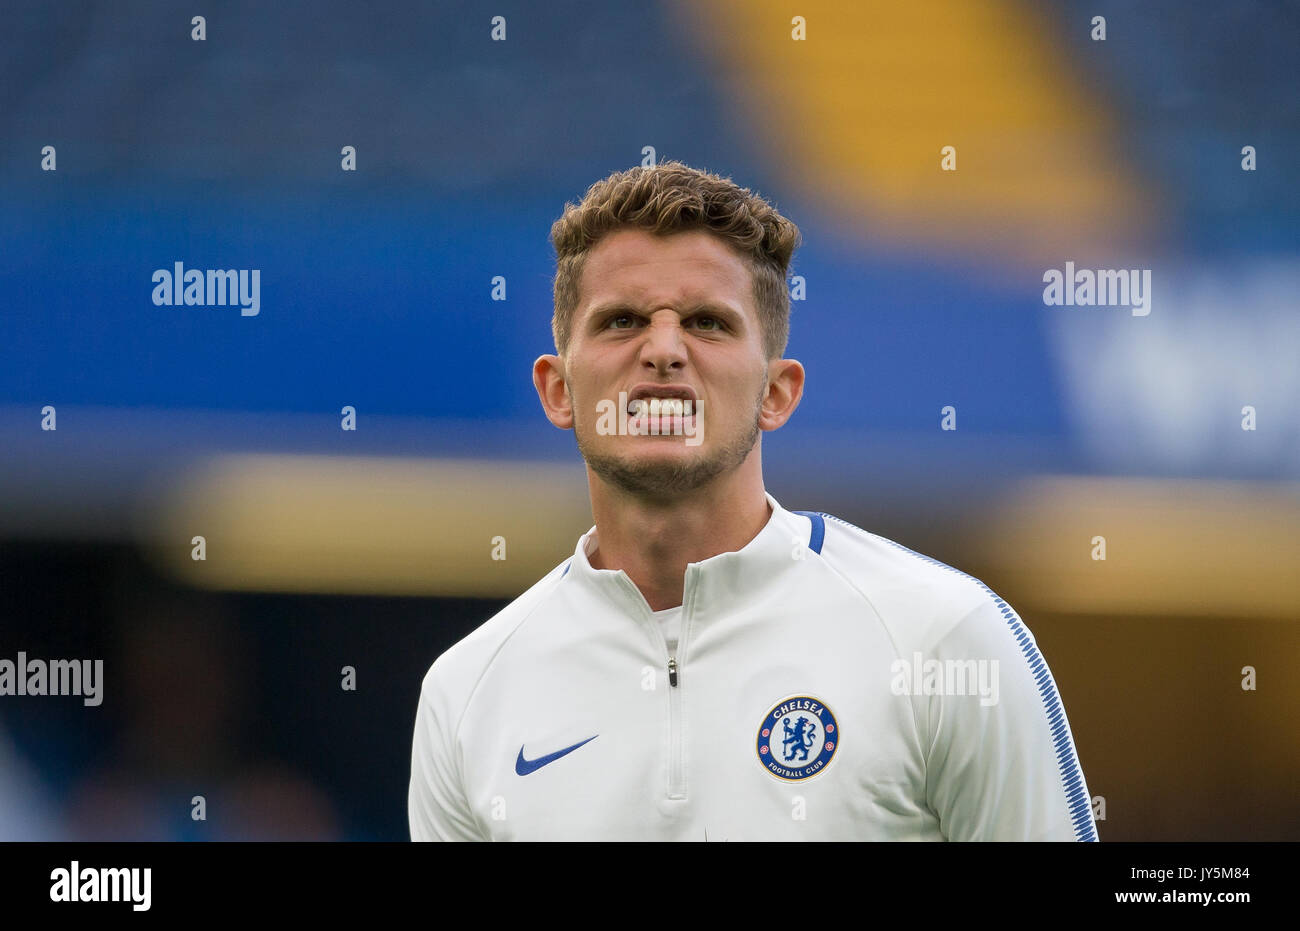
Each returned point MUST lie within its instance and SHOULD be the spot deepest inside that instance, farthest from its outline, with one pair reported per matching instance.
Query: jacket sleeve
(1001, 764)
(437, 804)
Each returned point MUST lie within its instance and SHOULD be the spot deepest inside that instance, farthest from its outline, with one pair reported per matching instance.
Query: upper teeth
(660, 406)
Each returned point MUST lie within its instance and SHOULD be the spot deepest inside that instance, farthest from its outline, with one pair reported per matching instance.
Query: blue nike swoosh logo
(524, 767)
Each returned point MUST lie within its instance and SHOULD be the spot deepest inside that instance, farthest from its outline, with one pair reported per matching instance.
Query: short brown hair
(671, 198)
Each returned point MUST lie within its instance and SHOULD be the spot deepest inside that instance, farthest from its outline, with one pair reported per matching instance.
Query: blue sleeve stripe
(1079, 805)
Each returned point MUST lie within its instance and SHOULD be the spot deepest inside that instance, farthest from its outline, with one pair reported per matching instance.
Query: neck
(654, 540)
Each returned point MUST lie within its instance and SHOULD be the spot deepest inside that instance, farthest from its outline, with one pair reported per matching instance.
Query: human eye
(621, 320)
(708, 323)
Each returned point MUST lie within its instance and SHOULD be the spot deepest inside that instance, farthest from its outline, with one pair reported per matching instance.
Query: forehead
(639, 267)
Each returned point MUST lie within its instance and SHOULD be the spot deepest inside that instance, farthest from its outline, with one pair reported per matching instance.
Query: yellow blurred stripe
(370, 525)
(358, 525)
(1192, 548)
(858, 112)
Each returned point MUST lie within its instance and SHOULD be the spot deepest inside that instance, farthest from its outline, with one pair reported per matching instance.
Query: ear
(784, 389)
(548, 379)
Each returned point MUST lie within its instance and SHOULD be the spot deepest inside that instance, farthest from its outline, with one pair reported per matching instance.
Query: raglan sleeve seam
(922, 735)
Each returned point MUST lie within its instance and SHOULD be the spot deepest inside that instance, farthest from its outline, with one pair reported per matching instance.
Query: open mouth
(659, 416)
(661, 407)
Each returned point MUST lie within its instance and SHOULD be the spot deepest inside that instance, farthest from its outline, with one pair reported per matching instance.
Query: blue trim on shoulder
(567, 563)
(1080, 806)
(818, 530)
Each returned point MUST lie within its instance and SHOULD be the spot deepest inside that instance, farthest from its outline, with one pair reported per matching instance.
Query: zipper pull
(672, 671)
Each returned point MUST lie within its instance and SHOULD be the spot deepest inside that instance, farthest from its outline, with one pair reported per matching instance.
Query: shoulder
(918, 598)
(453, 676)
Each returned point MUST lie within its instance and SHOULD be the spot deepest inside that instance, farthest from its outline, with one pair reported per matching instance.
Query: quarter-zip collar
(776, 549)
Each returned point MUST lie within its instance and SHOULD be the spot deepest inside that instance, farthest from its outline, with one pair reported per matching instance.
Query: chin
(667, 448)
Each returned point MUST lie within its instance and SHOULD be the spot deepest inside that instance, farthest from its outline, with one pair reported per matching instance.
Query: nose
(663, 348)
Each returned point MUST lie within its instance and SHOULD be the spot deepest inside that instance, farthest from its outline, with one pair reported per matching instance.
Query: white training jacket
(828, 684)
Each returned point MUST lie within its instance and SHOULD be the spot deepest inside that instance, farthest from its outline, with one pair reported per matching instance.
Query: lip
(682, 392)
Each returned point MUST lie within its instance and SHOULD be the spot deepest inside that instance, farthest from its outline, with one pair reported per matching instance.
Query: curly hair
(670, 198)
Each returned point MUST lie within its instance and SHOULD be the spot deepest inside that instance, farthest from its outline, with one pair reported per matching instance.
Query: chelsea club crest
(797, 738)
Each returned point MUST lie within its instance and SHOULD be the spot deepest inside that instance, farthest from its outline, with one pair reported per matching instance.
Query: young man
(709, 665)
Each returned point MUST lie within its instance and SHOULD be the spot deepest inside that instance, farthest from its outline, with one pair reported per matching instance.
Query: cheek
(583, 397)
(596, 381)
(742, 396)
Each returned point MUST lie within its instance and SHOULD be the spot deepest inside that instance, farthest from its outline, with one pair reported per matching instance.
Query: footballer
(708, 665)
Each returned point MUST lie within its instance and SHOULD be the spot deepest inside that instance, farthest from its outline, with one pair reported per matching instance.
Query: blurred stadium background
(371, 548)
